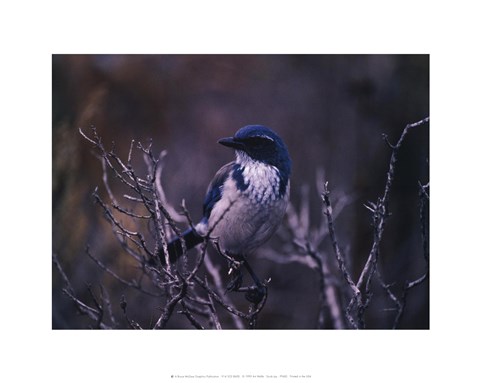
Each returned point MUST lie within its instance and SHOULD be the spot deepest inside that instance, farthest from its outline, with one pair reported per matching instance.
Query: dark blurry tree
(331, 111)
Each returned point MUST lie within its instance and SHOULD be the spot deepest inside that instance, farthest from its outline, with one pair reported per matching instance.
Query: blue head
(261, 144)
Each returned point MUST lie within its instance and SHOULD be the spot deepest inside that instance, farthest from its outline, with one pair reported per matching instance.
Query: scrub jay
(247, 198)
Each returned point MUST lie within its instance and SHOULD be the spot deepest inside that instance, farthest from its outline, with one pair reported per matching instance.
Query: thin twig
(185, 311)
(168, 309)
(65, 279)
(214, 316)
(214, 273)
(357, 296)
(219, 300)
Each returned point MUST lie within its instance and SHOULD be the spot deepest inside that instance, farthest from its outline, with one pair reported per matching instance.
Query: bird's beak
(231, 143)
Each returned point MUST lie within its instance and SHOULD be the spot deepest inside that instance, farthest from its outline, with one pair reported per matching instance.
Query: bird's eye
(258, 141)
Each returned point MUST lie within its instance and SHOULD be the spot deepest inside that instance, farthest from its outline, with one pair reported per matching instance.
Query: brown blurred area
(331, 110)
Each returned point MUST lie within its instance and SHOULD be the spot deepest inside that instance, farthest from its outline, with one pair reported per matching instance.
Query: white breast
(263, 181)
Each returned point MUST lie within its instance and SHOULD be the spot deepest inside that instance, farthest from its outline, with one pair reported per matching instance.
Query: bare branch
(214, 273)
(190, 317)
(381, 208)
(214, 315)
(65, 279)
(219, 300)
(168, 310)
(333, 236)
(106, 303)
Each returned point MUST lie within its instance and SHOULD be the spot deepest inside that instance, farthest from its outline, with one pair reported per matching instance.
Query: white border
(32, 31)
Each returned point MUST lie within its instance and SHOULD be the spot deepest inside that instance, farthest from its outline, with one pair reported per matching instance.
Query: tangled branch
(361, 289)
(143, 231)
(143, 223)
(343, 300)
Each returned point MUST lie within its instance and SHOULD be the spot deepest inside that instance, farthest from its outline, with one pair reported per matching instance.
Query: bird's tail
(191, 237)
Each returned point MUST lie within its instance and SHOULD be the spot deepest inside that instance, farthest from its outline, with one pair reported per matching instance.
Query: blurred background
(331, 111)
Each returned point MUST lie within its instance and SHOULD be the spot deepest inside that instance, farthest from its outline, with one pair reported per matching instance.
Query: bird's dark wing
(191, 237)
(215, 189)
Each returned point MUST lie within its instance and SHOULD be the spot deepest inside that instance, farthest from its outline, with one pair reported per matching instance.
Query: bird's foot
(236, 279)
(256, 293)
(234, 267)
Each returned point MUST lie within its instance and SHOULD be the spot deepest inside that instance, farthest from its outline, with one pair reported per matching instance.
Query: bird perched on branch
(247, 198)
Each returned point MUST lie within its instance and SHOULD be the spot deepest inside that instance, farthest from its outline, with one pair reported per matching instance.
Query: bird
(247, 198)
